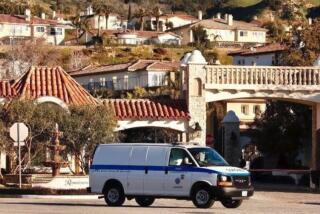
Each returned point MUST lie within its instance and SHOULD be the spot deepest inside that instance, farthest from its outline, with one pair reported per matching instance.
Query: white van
(149, 171)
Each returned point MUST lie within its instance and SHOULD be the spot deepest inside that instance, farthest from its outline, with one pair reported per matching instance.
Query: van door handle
(146, 170)
(166, 171)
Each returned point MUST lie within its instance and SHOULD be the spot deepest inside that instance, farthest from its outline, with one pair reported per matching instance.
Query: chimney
(230, 20)
(310, 21)
(226, 16)
(27, 13)
(218, 15)
(271, 17)
(43, 16)
(89, 10)
(54, 14)
(200, 14)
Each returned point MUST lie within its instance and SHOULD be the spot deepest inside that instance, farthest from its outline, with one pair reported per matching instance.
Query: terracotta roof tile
(52, 81)
(269, 48)
(21, 19)
(222, 24)
(6, 90)
(148, 109)
(153, 65)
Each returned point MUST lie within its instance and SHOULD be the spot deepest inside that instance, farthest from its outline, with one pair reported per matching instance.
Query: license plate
(244, 193)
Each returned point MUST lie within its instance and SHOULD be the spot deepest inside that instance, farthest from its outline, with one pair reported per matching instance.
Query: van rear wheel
(201, 197)
(114, 195)
(144, 201)
(229, 203)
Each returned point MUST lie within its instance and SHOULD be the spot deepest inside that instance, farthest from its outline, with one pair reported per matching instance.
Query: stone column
(231, 138)
(195, 95)
(315, 157)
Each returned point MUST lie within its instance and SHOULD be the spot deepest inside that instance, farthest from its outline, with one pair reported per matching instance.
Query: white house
(15, 27)
(126, 76)
(148, 37)
(111, 22)
(269, 54)
(173, 20)
(129, 37)
(224, 30)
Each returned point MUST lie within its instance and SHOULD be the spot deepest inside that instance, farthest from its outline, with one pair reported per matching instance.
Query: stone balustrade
(262, 75)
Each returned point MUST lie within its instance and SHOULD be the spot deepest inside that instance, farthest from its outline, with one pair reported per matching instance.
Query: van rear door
(155, 170)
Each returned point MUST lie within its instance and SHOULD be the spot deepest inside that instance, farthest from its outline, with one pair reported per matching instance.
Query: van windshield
(207, 157)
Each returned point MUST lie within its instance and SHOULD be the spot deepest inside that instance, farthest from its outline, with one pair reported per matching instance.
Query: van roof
(152, 144)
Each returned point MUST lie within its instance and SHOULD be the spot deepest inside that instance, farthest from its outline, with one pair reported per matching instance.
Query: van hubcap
(113, 195)
(202, 197)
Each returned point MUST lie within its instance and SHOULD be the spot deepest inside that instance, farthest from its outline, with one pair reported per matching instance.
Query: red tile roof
(146, 34)
(52, 81)
(6, 90)
(141, 64)
(148, 109)
(138, 65)
(20, 19)
(269, 48)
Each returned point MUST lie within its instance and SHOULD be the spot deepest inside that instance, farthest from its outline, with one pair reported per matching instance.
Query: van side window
(179, 157)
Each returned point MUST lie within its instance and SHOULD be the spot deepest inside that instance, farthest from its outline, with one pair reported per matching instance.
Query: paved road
(262, 202)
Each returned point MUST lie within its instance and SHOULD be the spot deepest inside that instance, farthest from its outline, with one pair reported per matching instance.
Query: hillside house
(262, 55)
(22, 27)
(173, 20)
(130, 37)
(111, 22)
(224, 31)
(126, 76)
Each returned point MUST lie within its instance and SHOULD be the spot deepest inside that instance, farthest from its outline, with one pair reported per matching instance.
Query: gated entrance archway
(300, 84)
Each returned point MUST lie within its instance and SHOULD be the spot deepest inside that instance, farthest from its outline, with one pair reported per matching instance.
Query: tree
(41, 121)
(156, 12)
(200, 35)
(82, 25)
(140, 14)
(303, 45)
(276, 30)
(86, 127)
(83, 128)
(102, 9)
(283, 129)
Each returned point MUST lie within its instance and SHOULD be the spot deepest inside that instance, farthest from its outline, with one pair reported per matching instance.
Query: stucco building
(126, 76)
(21, 27)
(224, 31)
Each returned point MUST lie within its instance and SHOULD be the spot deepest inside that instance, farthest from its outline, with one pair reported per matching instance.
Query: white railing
(262, 75)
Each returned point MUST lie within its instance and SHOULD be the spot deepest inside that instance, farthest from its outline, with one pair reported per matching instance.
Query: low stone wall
(65, 183)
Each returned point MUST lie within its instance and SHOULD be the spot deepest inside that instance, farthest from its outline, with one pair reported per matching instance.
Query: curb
(68, 197)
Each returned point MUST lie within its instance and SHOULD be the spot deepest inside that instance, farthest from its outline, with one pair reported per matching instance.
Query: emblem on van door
(177, 180)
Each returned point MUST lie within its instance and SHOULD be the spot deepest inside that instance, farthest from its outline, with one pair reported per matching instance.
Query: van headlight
(224, 181)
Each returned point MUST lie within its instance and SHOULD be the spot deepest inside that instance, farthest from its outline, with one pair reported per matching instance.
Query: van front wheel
(201, 197)
(145, 201)
(229, 203)
(114, 196)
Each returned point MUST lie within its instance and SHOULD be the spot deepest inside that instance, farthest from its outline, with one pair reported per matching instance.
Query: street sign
(19, 132)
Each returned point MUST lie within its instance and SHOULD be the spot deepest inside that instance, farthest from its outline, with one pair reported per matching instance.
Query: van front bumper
(233, 192)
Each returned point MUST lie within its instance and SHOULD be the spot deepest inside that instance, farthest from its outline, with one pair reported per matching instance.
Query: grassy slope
(243, 3)
(315, 2)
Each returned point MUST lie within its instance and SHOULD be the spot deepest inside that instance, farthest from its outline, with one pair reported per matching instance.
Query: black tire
(229, 203)
(144, 201)
(201, 197)
(114, 195)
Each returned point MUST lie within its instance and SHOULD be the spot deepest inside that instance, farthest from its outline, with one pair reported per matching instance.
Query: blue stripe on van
(162, 168)
(152, 168)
